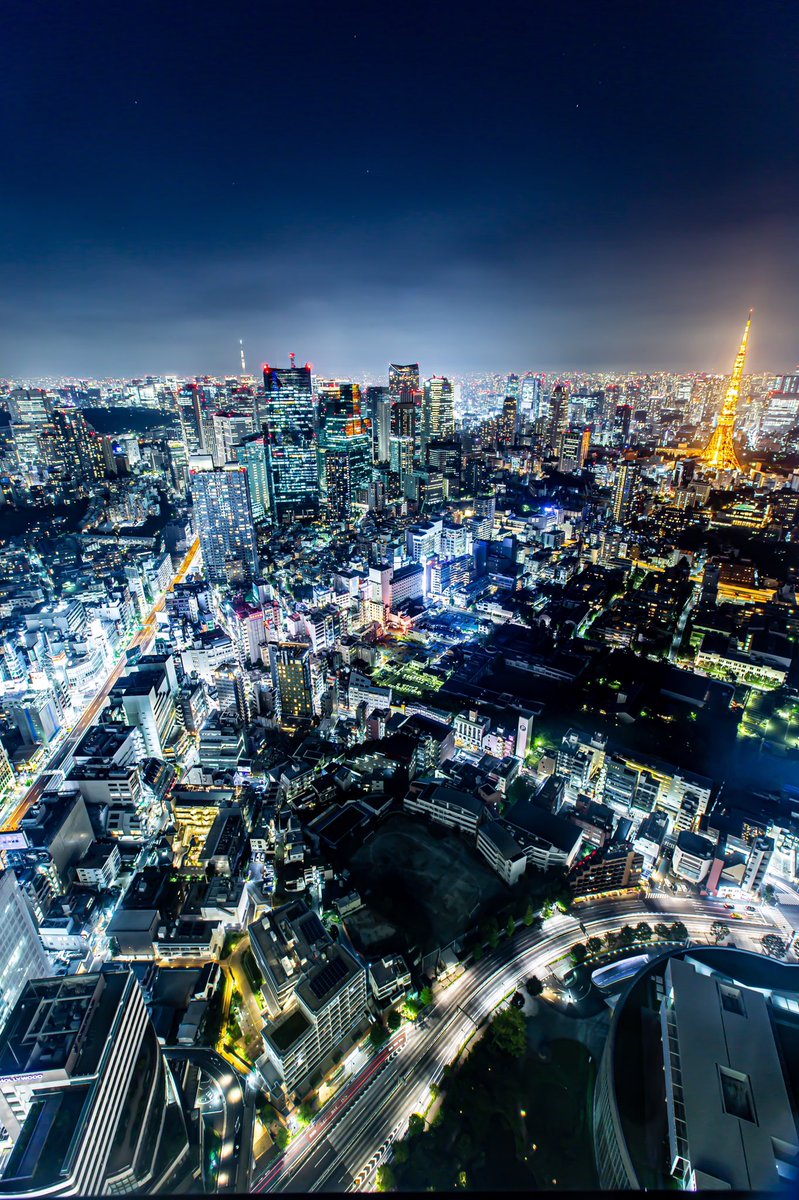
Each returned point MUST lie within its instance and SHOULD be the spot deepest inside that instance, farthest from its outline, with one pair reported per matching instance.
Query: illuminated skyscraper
(252, 455)
(720, 453)
(229, 429)
(626, 490)
(402, 376)
(290, 428)
(438, 415)
(532, 393)
(558, 414)
(378, 407)
(574, 445)
(509, 421)
(290, 664)
(223, 518)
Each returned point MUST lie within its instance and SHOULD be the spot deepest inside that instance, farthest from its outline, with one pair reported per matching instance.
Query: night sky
(507, 186)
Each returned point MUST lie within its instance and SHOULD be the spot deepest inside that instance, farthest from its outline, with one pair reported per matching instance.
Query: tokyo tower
(719, 454)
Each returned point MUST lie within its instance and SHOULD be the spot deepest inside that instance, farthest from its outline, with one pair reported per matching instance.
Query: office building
(229, 430)
(403, 379)
(509, 421)
(22, 955)
(86, 1094)
(438, 414)
(574, 444)
(251, 454)
(378, 408)
(290, 429)
(224, 520)
(693, 1088)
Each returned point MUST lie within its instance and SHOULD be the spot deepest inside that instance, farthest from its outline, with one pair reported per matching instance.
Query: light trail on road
(95, 706)
(342, 1149)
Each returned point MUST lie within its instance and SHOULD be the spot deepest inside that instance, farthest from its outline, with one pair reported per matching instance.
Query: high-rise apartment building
(224, 519)
(315, 988)
(625, 492)
(290, 664)
(22, 955)
(290, 428)
(86, 1094)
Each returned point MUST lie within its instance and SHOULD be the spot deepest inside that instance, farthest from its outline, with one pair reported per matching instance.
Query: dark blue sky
(500, 186)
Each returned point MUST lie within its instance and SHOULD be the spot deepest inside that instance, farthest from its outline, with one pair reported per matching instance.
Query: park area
(425, 881)
(515, 1116)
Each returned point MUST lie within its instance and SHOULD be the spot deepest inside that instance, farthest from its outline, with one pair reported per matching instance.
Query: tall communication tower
(720, 453)
(243, 363)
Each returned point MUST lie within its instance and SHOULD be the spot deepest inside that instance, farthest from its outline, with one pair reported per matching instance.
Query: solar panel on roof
(312, 928)
(328, 977)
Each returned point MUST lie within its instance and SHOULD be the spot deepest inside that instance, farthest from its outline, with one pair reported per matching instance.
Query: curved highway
(341, 1150)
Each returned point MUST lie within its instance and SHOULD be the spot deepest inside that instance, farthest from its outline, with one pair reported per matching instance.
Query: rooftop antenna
(243, 363)
(293, 360)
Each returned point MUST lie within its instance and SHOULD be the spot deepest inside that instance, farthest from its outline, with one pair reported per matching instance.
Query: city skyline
(601, 189)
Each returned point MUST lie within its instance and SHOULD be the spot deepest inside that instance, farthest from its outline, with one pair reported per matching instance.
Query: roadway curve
(341, 1150)
(95, 706)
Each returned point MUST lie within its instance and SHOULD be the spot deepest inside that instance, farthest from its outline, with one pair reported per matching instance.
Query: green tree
(529, 915)
(662, 930)
(386, 1180)
(493, 938)
(534, 986)
(578, 953)
(719, 931)
(401, 1152)
(626, 935)
(594, 945)
(774, 946)
(282, 1137)
(769, 893)
(477, 952)
(394, 1020)
(509, 1033)
(305, 1114)
(679, 932)
(426, 996)
(510, 928)
(415, 1125)
(266, 1111)
(378, 1035)
(643, 931)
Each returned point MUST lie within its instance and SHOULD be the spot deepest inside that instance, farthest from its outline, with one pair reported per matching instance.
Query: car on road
(728, 906)
(751, 908)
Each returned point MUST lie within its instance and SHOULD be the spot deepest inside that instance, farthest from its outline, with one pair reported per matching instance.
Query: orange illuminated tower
(719, 454)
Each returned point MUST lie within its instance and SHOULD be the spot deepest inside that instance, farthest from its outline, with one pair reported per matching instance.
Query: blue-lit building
(223, 518)
(290, 429)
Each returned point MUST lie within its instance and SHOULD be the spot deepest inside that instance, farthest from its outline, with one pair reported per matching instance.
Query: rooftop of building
(61, 1024)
